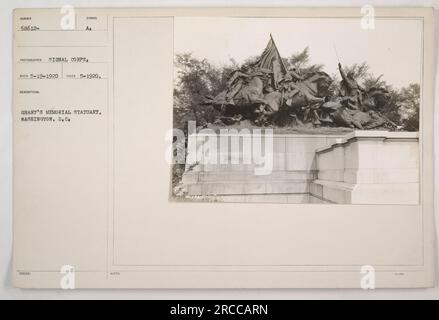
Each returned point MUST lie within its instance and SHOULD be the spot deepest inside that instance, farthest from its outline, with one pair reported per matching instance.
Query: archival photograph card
(223, 148)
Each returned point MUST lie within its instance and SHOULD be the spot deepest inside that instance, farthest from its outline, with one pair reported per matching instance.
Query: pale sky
(393, 48)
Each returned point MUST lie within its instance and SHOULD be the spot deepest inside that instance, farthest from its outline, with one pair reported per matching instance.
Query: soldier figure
(236, 82)
(295, 74)
(288, 83)
(292, 84)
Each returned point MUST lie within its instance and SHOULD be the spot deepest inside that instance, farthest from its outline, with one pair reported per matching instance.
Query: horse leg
(306, 115)
(316, 121)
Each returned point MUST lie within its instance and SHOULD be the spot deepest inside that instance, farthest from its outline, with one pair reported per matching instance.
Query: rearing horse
(252, 92)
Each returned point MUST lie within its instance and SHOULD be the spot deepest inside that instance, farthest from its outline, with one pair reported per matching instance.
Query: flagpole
(336, 53)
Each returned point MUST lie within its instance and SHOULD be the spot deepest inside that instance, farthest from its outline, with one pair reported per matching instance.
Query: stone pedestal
(362, 167)
(369, 167)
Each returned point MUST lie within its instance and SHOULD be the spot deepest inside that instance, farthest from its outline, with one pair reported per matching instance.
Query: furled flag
(271, 59)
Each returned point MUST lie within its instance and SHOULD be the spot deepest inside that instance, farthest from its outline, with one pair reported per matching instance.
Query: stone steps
(230, 176)
(265, 198)
(247, 183)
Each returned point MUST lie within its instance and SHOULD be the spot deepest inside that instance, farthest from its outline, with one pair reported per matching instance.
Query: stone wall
(293, 169)
(369, 167)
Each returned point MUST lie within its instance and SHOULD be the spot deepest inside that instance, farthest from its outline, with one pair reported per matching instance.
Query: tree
(409, 106)
(359, 71)
(196, 79)
(299, 59)
(370, 81)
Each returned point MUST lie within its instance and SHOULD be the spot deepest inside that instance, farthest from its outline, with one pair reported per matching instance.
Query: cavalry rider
(236, 81)
(288, 82)
(292, 84)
